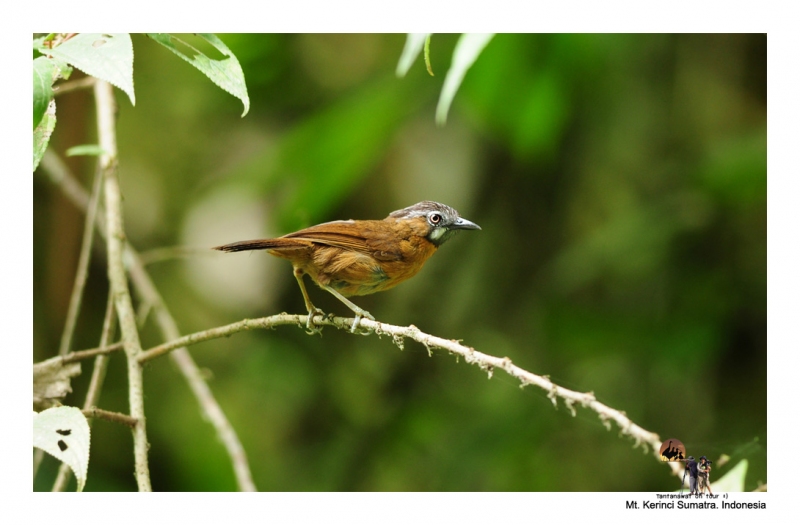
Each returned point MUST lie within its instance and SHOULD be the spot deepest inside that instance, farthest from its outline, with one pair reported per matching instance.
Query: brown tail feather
(262, 244)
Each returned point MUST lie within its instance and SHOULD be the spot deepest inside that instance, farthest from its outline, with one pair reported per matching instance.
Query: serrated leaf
(46, 71)
(733, 480)
(467, 49)
(63, 432)
(43, 71)
(85, 149)
(42, 132)
(64, 69)
(107, 56)
(226, 73)
(414, 43)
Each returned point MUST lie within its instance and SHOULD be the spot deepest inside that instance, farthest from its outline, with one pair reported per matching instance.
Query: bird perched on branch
(350, 257)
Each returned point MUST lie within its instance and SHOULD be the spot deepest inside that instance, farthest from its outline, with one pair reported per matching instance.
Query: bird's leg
(360, 312)
(312, 310)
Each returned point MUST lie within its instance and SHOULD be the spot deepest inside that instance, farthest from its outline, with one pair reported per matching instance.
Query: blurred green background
(620, 181)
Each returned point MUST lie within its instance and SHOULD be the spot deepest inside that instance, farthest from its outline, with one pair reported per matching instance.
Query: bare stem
(106, 108)
(114, 417)
(74, 85)
(59, 174)
(82, 273)
(93, 352)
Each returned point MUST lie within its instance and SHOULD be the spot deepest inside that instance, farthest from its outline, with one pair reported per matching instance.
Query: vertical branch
(183, 359)
(106, 109)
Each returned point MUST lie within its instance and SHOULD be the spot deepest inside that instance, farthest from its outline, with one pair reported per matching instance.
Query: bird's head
(442, 221)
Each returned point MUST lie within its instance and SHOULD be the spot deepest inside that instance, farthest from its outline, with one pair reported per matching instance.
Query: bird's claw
(311, 328)
(357, 323)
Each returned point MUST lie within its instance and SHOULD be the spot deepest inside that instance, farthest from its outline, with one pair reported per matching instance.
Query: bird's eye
(435, 218)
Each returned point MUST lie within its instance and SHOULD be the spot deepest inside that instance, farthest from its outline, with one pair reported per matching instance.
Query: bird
(669, 452)
(360, 257)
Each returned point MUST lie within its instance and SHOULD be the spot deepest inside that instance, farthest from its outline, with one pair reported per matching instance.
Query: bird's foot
(357, 323)
(311, 328)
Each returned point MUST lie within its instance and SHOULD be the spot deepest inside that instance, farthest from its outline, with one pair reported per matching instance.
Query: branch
(93, 352)
(74, 85)
(114, 417)
(649, 441)
(106, 108)
(60, 175)
(82, 273)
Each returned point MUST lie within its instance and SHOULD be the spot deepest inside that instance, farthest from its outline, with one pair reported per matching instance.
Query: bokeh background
(620, 181)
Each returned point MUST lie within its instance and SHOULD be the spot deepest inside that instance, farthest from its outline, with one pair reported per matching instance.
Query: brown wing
(347, 235)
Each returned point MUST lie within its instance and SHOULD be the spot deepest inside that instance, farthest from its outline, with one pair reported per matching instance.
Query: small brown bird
(351, 257)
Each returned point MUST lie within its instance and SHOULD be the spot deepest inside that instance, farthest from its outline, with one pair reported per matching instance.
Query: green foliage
(468, 48)
(226, 73)
(43, 76)
(414, 44)
(42, 132)
(733, 480)
(107, 56)
(93, 150)
(46, 70)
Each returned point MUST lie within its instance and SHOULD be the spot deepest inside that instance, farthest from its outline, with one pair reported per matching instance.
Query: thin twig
(92, 352)
(114, 417)
(82, 273)
(74, 85)
(60, 175)
(106, 108)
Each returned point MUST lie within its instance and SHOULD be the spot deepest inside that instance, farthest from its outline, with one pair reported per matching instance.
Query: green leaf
(107, 56)
(226, 73)
(85, 149)
(733, 480)
(428, 54)
(467, 49)
(43, 72)
(42, 132)
(64, 69)
(63, 432)
(414, 43)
